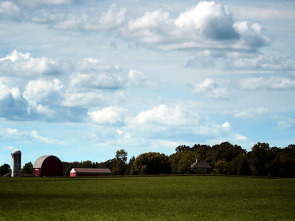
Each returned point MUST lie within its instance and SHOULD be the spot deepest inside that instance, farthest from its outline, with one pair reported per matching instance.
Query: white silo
(16, 163)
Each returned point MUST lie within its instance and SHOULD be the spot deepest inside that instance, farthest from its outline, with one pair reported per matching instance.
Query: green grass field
(147, 198)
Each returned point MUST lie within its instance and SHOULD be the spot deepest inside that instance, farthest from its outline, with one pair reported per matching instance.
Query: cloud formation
(33, 88)
(269, 83)
(23, 64)
(209, 88)
(164, 115)
(207, 25)
(249, 113)
(108, 115)
(26, 136)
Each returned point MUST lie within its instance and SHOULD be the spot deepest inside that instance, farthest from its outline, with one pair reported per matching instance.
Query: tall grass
(147, 198)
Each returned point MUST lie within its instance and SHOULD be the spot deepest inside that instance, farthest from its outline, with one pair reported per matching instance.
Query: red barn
(47, 166)
(90, 172)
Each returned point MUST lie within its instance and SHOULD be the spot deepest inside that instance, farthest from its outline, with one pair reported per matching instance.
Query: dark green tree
(120, 162)
(223, 167)
(28, 168)
(261, 158)
(128, 166)
(108, 164)
(4, 169)
(180, 162)
(241, 165)
(151, 163)
(87, 164)
(224, 151)
(182, 148)
(201, 151)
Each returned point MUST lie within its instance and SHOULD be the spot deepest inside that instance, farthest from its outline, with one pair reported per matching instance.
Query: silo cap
(17, 151)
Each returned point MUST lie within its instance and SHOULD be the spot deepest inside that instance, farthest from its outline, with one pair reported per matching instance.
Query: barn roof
(92, 170)
(38, 163)
(201, 165)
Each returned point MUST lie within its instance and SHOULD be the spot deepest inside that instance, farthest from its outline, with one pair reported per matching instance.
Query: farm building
(16, 163)
(90, 172)
(47, 166)
(200, 166)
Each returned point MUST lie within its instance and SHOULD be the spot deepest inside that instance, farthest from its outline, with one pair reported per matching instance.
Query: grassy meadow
(147, 198)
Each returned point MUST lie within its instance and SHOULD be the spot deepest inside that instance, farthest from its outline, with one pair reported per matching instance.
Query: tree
(223, 167)
(182, 148)
(283, 165)
(201, 151)
(87, 164)
(151, 163)
(108, 164)
(180, 162)
(261, 158)
(4, 169)
(224, 151)
(28, 168)
(128, 166)
(120, 162)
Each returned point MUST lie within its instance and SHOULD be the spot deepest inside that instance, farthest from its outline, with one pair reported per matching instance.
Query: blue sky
(82, 79)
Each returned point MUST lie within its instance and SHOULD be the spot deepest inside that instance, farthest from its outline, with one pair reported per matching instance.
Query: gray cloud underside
(50, 90)
(207, 25)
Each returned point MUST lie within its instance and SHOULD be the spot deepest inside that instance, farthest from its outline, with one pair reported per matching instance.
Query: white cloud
(156, 143)
(287, 124)
(240, 137)
(13, 104)
(138, 79)
(35, 3)
(250, 112)
(151, 28)
(165, 115)
(22, 64)
(105, 80)
(44, 92)
(173, 123)
(93, 98)
(239, 61)
(210, 89)
(9, 148)
(27, 136)
(9, 9)
(113, 18)
(213, 21)
(272, 83)
(93, 73)
(212, 129)
(250, 37)
(207, 25)
(108, 115)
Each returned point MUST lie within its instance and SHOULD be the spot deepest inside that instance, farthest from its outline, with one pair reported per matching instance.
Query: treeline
(225, 158)
(229, 159)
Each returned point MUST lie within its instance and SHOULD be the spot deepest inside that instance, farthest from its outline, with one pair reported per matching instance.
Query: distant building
(47, 166)
(16, 163)
(90, 172)
(201, 167)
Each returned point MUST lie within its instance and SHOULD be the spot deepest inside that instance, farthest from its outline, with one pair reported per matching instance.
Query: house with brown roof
(201, 167)
(90, 172)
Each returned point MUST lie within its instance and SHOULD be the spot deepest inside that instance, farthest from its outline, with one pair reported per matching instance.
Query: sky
(83, 79)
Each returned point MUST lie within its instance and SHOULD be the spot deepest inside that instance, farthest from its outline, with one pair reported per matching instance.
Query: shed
(201, 166)
(90, 172)
(47, 166)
